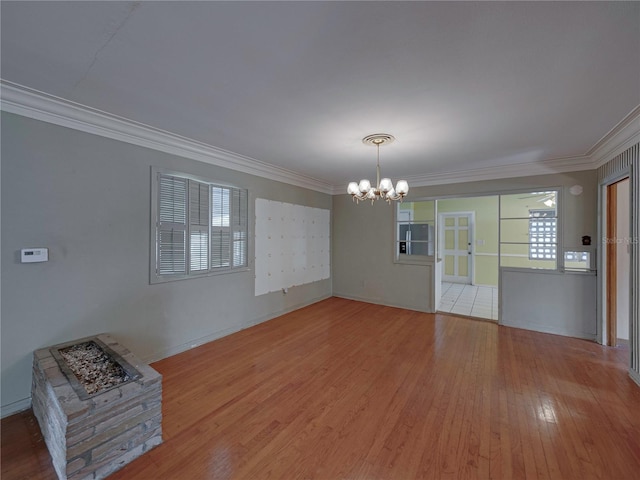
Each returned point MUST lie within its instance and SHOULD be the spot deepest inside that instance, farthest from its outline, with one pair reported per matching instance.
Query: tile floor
(469, 300)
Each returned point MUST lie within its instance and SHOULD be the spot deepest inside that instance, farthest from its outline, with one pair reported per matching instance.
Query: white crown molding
(624, 135)
(38, 105)
(31, 103)
(528, 169)
(621, 137)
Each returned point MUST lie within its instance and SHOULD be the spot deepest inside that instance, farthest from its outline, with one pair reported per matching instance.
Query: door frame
(611, 254)
(606, 315)
(472, 236)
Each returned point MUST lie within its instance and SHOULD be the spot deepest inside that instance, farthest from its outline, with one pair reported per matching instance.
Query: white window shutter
(172, 225)
(220, 248)
(239, 204)
(198, 226)
(201, 228)
(220, 235)
(171, 251)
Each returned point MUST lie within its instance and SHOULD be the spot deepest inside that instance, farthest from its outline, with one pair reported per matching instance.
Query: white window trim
(154, 276)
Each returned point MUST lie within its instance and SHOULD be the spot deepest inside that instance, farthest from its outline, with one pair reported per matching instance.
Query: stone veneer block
(92, 436)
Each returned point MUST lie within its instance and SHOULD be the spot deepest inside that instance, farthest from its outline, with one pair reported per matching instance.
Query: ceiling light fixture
(383, 188)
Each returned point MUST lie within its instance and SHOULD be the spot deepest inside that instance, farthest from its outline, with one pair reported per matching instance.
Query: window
(529, 230)
(415, 229)
(542, 234)
(200, 228)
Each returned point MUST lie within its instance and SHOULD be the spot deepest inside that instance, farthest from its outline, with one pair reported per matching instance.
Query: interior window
(529, 230)
(415, 232)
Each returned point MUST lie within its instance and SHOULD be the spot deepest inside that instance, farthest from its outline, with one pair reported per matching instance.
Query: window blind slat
(240, 216)
(172, 217)
(240, 207)
(220, 248)
(198, 203)
(198, 226)
(171, 251)
(219, 207)
(199, 253)
(173, 200)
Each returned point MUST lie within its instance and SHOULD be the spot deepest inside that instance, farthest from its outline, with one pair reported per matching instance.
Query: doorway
(456, 230)
(618, 262)
(472, 223)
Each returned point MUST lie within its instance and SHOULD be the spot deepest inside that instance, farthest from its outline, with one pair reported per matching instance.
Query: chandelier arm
(395, 197)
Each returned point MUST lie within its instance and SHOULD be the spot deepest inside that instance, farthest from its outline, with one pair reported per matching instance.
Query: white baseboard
(548, 329)
(176, 349)
(635, 376)
(25, 403)
(377, 302)
(15, 407)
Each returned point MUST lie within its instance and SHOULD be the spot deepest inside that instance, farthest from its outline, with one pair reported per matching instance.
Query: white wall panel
(291, 245)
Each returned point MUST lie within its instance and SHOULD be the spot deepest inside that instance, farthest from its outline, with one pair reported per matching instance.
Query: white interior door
(456, 243)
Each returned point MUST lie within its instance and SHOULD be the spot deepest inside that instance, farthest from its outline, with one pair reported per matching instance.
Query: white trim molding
(176, 349)
(38, 105)
(619, 139)
(526, 169)
(48, 108)
(15, 407)
(569, 164)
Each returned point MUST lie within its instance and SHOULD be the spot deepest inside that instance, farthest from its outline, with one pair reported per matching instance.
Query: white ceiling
(461, 85)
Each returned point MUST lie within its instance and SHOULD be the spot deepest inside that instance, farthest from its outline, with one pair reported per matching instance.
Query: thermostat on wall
(32, 255)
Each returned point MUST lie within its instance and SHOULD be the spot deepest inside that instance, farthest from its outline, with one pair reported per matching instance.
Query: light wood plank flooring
(343, 389)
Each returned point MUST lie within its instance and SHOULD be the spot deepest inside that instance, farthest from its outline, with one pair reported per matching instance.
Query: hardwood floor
(344, 389)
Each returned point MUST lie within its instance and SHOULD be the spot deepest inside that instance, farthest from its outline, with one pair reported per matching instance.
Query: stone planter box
(91, 436)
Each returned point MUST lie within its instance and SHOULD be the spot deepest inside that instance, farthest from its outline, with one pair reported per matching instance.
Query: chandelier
(383, 188)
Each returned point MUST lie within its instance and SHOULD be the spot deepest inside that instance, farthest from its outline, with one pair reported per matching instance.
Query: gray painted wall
(549, 301)
(87, 198)
(363, 235)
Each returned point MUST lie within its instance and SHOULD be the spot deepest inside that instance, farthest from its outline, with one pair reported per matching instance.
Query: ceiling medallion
(384, 188)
